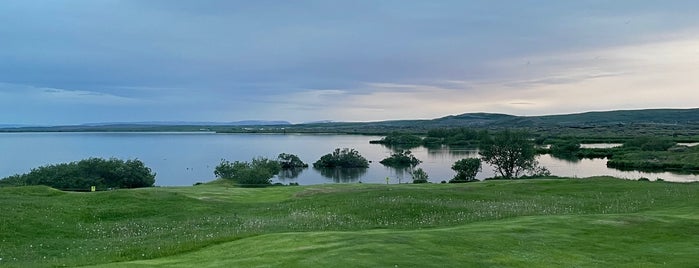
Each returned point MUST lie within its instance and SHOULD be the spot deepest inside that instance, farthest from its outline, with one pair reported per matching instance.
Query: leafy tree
(81, 175)
(403, 158)
(259, 172)
(511, 153)
(420, 176)
(466, 169)
(343, 158)
(290, 161)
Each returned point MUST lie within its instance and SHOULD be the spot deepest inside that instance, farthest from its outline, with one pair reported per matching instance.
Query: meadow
(592, 222)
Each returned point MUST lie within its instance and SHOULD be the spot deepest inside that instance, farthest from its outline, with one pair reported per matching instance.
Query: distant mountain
(9, 125)
(190, 123)
(682, 117)
(494, 120)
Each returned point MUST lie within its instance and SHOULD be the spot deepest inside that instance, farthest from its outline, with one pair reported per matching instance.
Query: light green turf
(552, 241)
(562, 222)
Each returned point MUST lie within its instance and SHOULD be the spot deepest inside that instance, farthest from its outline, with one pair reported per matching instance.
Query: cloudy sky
(80, 61)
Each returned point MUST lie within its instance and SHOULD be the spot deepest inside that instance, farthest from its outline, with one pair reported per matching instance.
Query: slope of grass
(633, 240)
(491, 222)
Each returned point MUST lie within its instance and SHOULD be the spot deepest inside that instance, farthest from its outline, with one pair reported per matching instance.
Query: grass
(547, 222)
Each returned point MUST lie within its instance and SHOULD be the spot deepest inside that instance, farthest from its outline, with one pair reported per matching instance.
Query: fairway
(595, 222)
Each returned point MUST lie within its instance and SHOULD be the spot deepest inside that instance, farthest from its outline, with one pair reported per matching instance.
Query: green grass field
(596, 222)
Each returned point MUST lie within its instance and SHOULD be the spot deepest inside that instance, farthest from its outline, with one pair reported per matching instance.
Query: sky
(88, 61)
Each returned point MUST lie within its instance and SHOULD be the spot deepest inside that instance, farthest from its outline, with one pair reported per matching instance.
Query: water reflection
(402, 174)
(452, 151)
(290, 173)
(342, 175)
(401, 147)
(570, 158)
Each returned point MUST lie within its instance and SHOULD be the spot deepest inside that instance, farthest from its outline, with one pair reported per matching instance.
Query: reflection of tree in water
(458, 151)
(289, 173)
(343, 175)
(570, 158)
(403, 174)
(401, 147)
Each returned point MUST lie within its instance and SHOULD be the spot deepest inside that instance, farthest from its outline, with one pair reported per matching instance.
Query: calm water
(187, 158)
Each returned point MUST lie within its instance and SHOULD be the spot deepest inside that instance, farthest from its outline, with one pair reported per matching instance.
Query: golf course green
(554, 222)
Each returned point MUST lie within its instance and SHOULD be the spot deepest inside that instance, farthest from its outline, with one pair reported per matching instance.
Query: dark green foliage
(420, 176)
(290, 161)
(342, 158)
(81, 175)
(649, 144)
(512, 153)
(466, 170)
(455, 136)
(397, 138)
(259, 172)
(565, 147)
(684, 160)
(401, 159)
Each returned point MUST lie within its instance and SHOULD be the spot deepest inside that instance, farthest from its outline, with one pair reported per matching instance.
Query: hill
(684, 118)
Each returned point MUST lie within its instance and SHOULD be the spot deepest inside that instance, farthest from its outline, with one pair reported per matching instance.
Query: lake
(186, 158)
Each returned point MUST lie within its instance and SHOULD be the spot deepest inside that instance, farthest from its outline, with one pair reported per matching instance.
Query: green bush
(466, 170)
(290, 161)
(259, 172)
(81, 175)
(401, 159)
(342, 158)
(419, 176)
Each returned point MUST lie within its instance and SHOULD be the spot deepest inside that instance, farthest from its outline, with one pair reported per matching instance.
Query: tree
(403, 158)
(511, 153)
(466, 169)
(259, 172)
(343, 158)
(290, 161)
(419, 176)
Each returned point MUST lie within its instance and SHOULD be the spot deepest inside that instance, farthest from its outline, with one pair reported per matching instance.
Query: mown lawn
(597, 222)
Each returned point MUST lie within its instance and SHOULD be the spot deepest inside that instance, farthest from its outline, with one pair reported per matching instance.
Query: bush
(259, 172)
(419, 176)
(565, 148)
(401, 159)
(466, 170)
(81, 175)
(345, 158)
(290, 161)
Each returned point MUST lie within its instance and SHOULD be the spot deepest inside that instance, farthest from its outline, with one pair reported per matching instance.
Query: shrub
(343, 158)
(419, 176)
(290, 161)
(466, 170)
(81, 175)
(259, 172)
(565, 148)
(401, 159)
